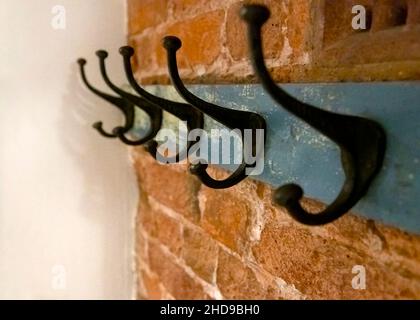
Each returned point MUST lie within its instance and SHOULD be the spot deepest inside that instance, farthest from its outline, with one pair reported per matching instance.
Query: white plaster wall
(67, 195)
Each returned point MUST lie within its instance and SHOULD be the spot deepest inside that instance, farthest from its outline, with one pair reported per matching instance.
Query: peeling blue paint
(297, 153)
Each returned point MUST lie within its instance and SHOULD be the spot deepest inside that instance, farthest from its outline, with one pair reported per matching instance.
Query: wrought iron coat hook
(125, 106)
(155, 114)
(183, 111)
(362, 141)
(233, 119)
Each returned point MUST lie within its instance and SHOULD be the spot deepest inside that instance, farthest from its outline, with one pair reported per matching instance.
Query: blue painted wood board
(297, 153)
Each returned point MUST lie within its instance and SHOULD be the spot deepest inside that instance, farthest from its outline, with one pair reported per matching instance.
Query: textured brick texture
(304, 40)
(196, 243)
(234, 244)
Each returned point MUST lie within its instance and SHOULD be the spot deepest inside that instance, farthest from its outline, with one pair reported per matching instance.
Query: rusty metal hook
(124, 105)
(154, 114)
(361, 141)
(183, 111)
(233, 119)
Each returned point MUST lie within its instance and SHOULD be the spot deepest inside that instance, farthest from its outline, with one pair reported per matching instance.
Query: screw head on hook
(81, 61)
(102, 54)
(171, 43)
(126, 51)
(256, 14)
(97, 125)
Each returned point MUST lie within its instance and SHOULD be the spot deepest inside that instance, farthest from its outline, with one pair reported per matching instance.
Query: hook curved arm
(155, 114)
(362, 141)
(183, 111)
(123, 105)
(233, 119)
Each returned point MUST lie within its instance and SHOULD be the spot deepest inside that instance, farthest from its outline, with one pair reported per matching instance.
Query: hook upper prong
(117, 102)
(183, 111)
(102, 54)
(256, 14)
(127, 51)
(81, 61)
(172, 43)
(154, 113)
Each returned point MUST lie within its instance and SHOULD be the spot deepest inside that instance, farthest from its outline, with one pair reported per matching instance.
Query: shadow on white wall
(67, 195)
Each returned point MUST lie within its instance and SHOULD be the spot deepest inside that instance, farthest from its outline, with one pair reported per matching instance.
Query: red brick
(239, 282)
(145, 46)
(388, 14)
(402, 247)
(179, 284)
(368, 49)
(345, 47)
(413, 12)
(304, 42)
(200, 253)
(151, 286)
(141, 249)
(200, 38)
(321, 267)
(183, 8)
(299, 32)
(237, 41)
(158, 225)
(143, 14)
(171, 185)
(140, 240)
(338, 18)
(289, 21)
(227, 213)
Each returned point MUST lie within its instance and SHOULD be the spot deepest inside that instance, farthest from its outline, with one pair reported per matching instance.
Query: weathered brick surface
(193, 242)
(413, 12)
(155, 179)
(246, 248)
(393, 26)
(151, 286)
(231, 216)
(143, 14)
(200, 38)
(368, 49)
(146, 46)
(200, 253)
(238, 281)
(230, 229)
(284, 39)
(175, 279)
(272, 32)
(304, 40)
(338, 19)
(321, 267)
(158, 225)
(187, 8)
(389, 13)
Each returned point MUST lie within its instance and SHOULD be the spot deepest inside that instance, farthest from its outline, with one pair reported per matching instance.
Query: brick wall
(304, 40)
(197, 243)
